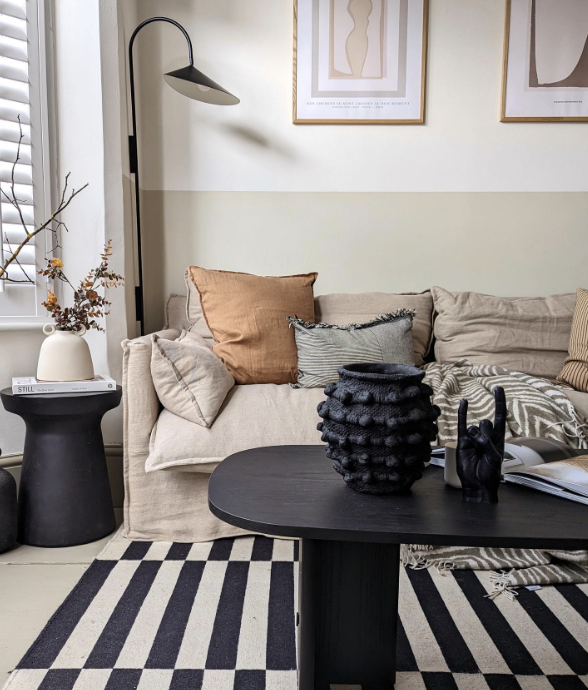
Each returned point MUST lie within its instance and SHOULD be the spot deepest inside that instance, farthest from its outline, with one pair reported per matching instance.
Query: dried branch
(63, 204)
(52, 224)
(15, 258)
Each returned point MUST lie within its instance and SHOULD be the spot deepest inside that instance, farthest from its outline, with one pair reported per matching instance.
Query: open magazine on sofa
(566, 478)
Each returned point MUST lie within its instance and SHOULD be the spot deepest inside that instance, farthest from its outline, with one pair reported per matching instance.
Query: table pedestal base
(64, 497)
(348, 614)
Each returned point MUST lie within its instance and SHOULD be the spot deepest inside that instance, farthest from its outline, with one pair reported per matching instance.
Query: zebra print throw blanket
(535, 408)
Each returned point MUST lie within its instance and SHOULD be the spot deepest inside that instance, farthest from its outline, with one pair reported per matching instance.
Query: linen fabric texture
(252, 416)
(323, 348)
(190, 380)
(337, 308)
(150, 514)
(176, 315)
(194, 313)
(247, 316)
(342, 309)
(528, 334)
(575, 368)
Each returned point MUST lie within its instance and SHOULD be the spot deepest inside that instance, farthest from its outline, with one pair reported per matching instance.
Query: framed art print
(359, 61)
(545, 67)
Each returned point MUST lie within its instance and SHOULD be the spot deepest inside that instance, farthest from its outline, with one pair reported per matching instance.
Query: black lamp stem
(134, 161)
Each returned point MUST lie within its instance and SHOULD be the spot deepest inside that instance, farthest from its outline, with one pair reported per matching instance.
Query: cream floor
(33, 583)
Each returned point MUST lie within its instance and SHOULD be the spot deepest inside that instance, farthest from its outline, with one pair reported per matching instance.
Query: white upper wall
(246, 45)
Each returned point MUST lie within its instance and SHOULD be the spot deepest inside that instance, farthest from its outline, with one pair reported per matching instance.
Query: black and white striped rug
(220, 615)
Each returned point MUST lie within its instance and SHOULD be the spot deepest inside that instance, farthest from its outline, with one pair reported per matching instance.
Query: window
(23, 95)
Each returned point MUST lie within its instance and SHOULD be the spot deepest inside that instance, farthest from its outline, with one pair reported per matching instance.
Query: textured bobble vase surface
(378, 423)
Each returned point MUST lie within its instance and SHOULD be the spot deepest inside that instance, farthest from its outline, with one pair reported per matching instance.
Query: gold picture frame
(505, 71)
(419, 120)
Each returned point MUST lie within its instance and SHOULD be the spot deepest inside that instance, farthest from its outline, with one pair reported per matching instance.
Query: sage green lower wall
(511, 243)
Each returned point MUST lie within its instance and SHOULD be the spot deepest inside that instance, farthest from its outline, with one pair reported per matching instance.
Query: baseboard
(112, 450)
(10, 460)
(114, 454)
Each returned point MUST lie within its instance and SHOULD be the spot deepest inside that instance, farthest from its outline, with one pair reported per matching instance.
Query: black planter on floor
(378, 423)
(8, 511)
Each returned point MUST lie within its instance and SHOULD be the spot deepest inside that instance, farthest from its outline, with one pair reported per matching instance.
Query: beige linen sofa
(168, 460)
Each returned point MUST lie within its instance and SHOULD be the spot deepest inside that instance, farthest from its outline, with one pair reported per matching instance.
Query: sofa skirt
(170, 506)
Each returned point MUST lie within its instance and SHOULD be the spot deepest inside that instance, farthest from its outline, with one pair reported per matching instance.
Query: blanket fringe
(579, 433)
(412, 556)
(501, 584)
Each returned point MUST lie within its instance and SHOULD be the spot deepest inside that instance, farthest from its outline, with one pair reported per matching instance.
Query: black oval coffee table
(350, 548)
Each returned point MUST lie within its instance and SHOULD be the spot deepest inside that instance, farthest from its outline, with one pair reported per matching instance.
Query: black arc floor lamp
(189, 82)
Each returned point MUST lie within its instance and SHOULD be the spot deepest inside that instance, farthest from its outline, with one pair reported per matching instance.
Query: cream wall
(464, 201)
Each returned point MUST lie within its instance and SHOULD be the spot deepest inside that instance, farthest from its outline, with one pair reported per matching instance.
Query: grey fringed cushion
(322, 348)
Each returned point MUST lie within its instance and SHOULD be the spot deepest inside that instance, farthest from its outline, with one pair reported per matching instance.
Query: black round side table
(64, 497)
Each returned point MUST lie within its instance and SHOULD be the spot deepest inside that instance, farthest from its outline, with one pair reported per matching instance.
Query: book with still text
(28, 385)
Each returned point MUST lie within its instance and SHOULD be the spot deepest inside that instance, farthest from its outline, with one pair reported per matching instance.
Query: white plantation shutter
(22, 96)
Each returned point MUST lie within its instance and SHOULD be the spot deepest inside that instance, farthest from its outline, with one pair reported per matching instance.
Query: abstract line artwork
(358, 35)
(559, 44)
(546, 61)
(352, 60)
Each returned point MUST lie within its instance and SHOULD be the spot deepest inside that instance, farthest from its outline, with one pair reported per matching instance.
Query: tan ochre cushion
(248, 318)
(251, 416)
(528, 334)
(343, 309)
(575, 369)
(190, 380)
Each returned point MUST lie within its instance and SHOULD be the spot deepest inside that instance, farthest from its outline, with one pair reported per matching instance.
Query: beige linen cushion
(579, 400)
(343, 309)
(528, 334)
(190, 380)
(175, 313)
(251, 416)
(194, 312)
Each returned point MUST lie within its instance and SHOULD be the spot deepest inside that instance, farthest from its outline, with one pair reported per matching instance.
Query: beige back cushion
(175, 313)
(528, 334)
(343, 309)
(339, 309)
(194, 311)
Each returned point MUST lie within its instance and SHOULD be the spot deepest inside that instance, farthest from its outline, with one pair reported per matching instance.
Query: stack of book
(29, 385)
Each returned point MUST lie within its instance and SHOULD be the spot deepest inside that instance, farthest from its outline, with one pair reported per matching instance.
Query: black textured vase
(378, 423)
(8, 511)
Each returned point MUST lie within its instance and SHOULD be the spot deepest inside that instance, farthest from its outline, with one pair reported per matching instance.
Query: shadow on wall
(153, 261)
(252, 136)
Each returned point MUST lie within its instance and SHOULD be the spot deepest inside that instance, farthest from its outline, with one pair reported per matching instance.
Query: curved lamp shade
(192, 83)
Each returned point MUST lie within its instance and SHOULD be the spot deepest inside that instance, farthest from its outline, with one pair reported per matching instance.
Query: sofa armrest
(140, 402)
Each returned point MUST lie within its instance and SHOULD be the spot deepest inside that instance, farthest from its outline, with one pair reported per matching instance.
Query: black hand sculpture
(480, 451)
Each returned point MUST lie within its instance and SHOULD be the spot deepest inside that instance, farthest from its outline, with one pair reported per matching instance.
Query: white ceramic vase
(64, 356)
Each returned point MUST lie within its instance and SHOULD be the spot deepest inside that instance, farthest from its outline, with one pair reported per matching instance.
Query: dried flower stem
(88, 303)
